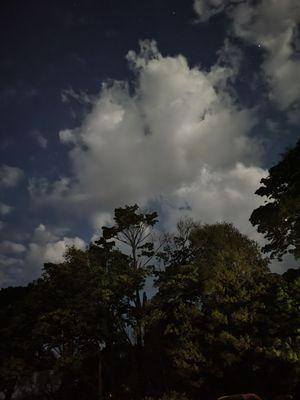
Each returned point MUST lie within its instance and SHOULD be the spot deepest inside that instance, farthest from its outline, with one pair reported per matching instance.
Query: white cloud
(10, 176)
(44, 246)
(41, 140)
(98, 220)
(66, 136)
(39, 253)
(8, 247)
(41, 235)
(54, 252)
(137, 147)
(207, 8)
(46, 192)
(219, 196)
(5, 209)
(287, 262)
(180, 138)
(49, 246)
(271, 25)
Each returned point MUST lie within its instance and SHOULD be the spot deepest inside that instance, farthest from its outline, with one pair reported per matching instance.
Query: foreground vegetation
(218, 321)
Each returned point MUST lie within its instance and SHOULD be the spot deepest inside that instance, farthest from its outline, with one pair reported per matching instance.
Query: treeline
(218, 322)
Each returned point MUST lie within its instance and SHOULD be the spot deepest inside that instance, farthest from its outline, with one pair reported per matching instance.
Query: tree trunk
(100, 379)
(139, 350)
(111, 372)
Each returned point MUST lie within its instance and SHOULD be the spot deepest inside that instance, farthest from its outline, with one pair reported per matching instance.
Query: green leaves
(224, 313)
(219, 316)
(279, 218)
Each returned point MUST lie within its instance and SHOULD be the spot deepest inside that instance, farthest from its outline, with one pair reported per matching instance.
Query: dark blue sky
(55, 57)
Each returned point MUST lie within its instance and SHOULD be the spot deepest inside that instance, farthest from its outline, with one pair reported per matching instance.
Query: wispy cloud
(5, 209)
(10, 247)
(41, 140)
(272, 26)
(10, 176)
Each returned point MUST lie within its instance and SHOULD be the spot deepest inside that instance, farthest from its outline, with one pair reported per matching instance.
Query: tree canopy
(279, 218)
(219, 322)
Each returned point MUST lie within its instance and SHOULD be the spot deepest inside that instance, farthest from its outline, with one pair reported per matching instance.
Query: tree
(82, 306)
(219, 322)
(218, 316)
(17, 351)
(70, 320)
(80, 332)
(178, 285)
(279, 218)
(134, 230)
(280, 359)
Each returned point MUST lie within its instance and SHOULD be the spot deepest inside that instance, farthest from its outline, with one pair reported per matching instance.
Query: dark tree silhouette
(220, 321)
(279, 219)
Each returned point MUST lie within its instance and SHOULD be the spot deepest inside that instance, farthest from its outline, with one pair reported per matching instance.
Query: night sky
(179, 106)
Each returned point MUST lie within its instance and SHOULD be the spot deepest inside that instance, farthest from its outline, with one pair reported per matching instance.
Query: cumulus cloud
(10, 176)
(219, 196)
(5, 209)
(98, 220)
(44, 246)
(273, 26)
(150, 144)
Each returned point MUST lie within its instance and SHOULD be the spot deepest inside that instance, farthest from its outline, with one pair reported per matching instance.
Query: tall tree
(71, 321)
(82, 304)
(279, 218)
(280, 358)
(134, 231)
(216, 315)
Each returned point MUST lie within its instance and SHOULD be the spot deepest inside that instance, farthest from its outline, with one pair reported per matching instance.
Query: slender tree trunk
(139, 338)
(139, 334)
(139, 349)
(100, 378)
(111, 366)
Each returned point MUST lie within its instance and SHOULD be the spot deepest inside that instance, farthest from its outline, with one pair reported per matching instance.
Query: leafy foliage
(219, 322)
(217, 315)
(279, 218)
